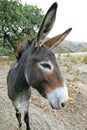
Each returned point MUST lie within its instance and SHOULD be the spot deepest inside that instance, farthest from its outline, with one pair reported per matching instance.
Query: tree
(16, 21)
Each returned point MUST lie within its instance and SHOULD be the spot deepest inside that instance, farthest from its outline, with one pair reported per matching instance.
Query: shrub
(85, 60)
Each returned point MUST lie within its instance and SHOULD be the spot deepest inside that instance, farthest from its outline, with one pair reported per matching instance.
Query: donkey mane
(23, 48)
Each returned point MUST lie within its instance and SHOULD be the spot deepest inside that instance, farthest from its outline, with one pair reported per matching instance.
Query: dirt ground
(42, 116)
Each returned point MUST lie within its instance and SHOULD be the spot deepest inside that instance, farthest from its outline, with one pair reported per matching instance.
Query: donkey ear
(53, 42)
(47, 24)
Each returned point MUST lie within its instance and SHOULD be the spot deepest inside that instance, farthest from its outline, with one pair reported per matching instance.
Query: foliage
(74, 59)
(17, 22)
(69, 68)
(85, 60)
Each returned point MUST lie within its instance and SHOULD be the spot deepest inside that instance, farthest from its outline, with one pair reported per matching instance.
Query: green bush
(85, 60)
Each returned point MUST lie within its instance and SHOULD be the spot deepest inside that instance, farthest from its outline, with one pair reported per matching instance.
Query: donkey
(37, 67)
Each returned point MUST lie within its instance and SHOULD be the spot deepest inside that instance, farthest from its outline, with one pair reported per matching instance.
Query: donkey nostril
(62, 104)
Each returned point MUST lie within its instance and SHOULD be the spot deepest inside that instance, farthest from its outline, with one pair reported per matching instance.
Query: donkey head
(41, 69)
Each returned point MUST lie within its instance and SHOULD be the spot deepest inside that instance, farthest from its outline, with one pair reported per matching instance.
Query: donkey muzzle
(58, 97)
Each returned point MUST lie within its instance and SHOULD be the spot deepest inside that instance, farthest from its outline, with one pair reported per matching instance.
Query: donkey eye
(46, 65)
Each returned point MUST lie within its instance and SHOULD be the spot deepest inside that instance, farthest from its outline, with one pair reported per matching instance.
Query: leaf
(15, 18)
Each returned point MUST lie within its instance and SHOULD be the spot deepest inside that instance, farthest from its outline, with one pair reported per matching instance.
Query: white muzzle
(58, 97)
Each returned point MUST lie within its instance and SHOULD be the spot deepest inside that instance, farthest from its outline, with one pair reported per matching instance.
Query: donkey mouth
(62, 105)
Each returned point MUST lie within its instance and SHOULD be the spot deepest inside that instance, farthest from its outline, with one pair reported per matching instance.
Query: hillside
(71, 46)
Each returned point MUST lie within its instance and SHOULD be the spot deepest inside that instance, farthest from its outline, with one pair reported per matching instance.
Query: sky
(70, 13)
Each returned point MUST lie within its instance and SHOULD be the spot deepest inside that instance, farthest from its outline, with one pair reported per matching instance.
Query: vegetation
(74, 60)
(17, 23)
(85, 60)
(71, 46)
(69, 68)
